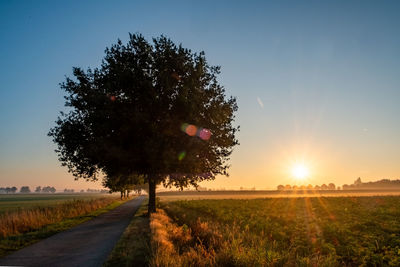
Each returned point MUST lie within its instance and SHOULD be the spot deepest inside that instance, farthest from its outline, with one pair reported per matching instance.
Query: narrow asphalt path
(87, 244)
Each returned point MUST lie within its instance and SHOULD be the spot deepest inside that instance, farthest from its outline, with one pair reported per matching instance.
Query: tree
(13, 189)
(331, 186)
(138, 188)
(66, 190)
(48, 189)
(280, 187)
(324, 187)
(288, 187)
(38, 189)
(151, 109)
(25, 190)
(358, 181)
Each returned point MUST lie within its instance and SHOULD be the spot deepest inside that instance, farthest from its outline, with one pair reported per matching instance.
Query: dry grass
(176, 196)
(22, 221)
(347, 231)
(174, 245)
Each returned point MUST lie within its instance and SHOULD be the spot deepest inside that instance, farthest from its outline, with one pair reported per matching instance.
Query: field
(12, 202)
(25, 219)
(318, 231)
(253, 194)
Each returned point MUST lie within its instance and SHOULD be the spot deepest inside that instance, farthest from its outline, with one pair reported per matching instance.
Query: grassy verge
(133, 249)
(15, 242)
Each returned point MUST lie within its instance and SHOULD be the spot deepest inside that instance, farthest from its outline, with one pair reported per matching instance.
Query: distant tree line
(69, 190)
(381, 184)
(45, 189)
(287, 187)
(26, 190)
(50, 190)
(8, 190)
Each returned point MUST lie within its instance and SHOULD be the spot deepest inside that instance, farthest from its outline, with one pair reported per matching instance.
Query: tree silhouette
(152, 109)
(25, 190)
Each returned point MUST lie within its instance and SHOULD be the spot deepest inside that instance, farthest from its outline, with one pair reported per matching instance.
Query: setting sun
(300, 171)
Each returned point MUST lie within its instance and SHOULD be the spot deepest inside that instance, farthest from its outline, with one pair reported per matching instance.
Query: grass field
(12, 202)
(253, 194)
(319, 231)
(40, 216)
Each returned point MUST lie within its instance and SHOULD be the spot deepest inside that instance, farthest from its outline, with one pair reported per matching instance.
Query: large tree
(153, 109)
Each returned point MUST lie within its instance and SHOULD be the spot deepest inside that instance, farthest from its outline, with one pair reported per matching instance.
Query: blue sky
(316, 81)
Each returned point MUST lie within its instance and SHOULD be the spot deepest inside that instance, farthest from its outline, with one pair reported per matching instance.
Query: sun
(300, 171)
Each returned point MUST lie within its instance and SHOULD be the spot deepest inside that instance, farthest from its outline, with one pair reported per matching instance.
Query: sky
(317, 82)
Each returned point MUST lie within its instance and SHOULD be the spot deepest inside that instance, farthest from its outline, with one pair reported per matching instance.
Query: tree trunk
(121, 195)
(152, 195)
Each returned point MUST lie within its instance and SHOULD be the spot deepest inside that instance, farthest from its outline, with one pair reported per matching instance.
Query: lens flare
(181, 155)
(205, 134)
(192, 130)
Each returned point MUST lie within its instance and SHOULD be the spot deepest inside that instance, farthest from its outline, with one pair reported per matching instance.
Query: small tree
(280, 187)
(152, 109)
(358, 181)
(38, 189)
(13, 189)
(25, 190)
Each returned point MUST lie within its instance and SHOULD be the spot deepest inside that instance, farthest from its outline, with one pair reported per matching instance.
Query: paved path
(87, 244)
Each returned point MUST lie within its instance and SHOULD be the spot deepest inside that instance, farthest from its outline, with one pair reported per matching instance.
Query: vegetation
(24, 227)
(381, 184)
(26, 220)
(18, 202)
(153, 109)
(341, 231)
(330, 186)
(8, 190)
(133, 249)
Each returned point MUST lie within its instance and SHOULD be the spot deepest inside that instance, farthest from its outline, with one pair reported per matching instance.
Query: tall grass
(174, 245)
(360, 231)
(26, 220)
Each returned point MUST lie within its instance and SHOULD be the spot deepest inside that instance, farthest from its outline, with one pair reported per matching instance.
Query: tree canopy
(152, 109)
